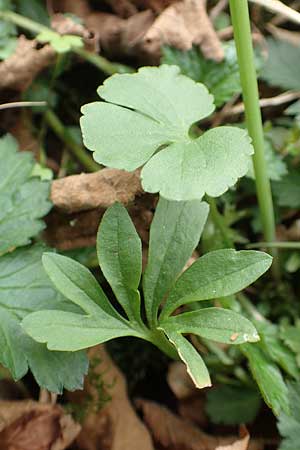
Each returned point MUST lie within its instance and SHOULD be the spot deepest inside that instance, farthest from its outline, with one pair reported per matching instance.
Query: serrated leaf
(217, 274)
(222, 79)
(175, 232)
(287, 190)
(273, 346)
(153, 110)
(232, 405)
(276, 167)
(188, 354)
(217, 324)
(283, 64)
(23, 199)
(67, 331)
(25, 288)
(289, 424)
(268, 378)
(119, 251)
(209, 164)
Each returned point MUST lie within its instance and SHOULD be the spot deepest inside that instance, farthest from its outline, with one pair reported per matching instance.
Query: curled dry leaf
(240, 444)
(28, 425)
(181, 25)
(179, 381)
(116, 426)
(66, 25)
(19, 70)
(101, 189)
(174, 433)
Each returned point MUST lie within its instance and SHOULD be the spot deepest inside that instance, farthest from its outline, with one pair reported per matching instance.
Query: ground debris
(115, 426)
(101, 189)
(29, 425)
(19, 70)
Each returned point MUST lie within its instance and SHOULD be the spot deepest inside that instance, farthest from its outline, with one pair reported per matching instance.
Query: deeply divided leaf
(119, 251)
(175, 232)
(217, 274)
(217, 324)
(75, 331)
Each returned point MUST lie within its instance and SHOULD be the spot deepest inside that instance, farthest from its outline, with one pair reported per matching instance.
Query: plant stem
(243, 40)
(102, 63)
(78, 151)
(218, 221)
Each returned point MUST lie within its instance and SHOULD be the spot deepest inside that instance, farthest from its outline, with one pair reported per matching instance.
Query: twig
(278, 19)
(263, 103)
(21, 105)
(278, 7)
(216, 10)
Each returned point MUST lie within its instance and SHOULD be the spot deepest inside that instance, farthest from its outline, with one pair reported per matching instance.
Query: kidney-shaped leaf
(209, 164)
(119, 251)
(175, 232)
(217, 274)
(216, 324)
(153, 109)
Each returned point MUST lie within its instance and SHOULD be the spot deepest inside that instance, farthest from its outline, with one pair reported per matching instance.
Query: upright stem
(243, 40)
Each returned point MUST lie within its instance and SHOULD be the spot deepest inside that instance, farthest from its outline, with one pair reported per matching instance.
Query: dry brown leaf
(19, 70)
(80, 8)
(116, 426)
(123, 8)
(174, 433)
(22, 131)
(179, 381)
(66, 25)
(28, 425)
(181, 25)
(101, 189)
(240, 444)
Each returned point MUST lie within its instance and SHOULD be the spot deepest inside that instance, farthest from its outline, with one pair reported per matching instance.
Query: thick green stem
(102, 63)
(243, 40)
(79, 152)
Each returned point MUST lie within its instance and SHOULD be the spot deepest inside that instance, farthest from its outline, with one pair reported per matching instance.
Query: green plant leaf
(222, 79)
(217, 324)
(287, 190)
(283, 64)
(268, 378)
(153, 110)
(209, 164)
(289, 424)
(60, 43)
(278, 351)
(8, 32)
(188, 354)
(68, 331)
(119, 251)
(275, 165)
(174, 234)
(25, 288)
(217, 274)
(232, 405)
(23, 198)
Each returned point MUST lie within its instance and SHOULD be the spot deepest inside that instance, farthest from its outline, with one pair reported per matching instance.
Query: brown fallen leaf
(181, 25)
(101, 189)
(240, 444)
(116, 426)
(19, 70)
(174, 433)
(65, 25)
(29, 425)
